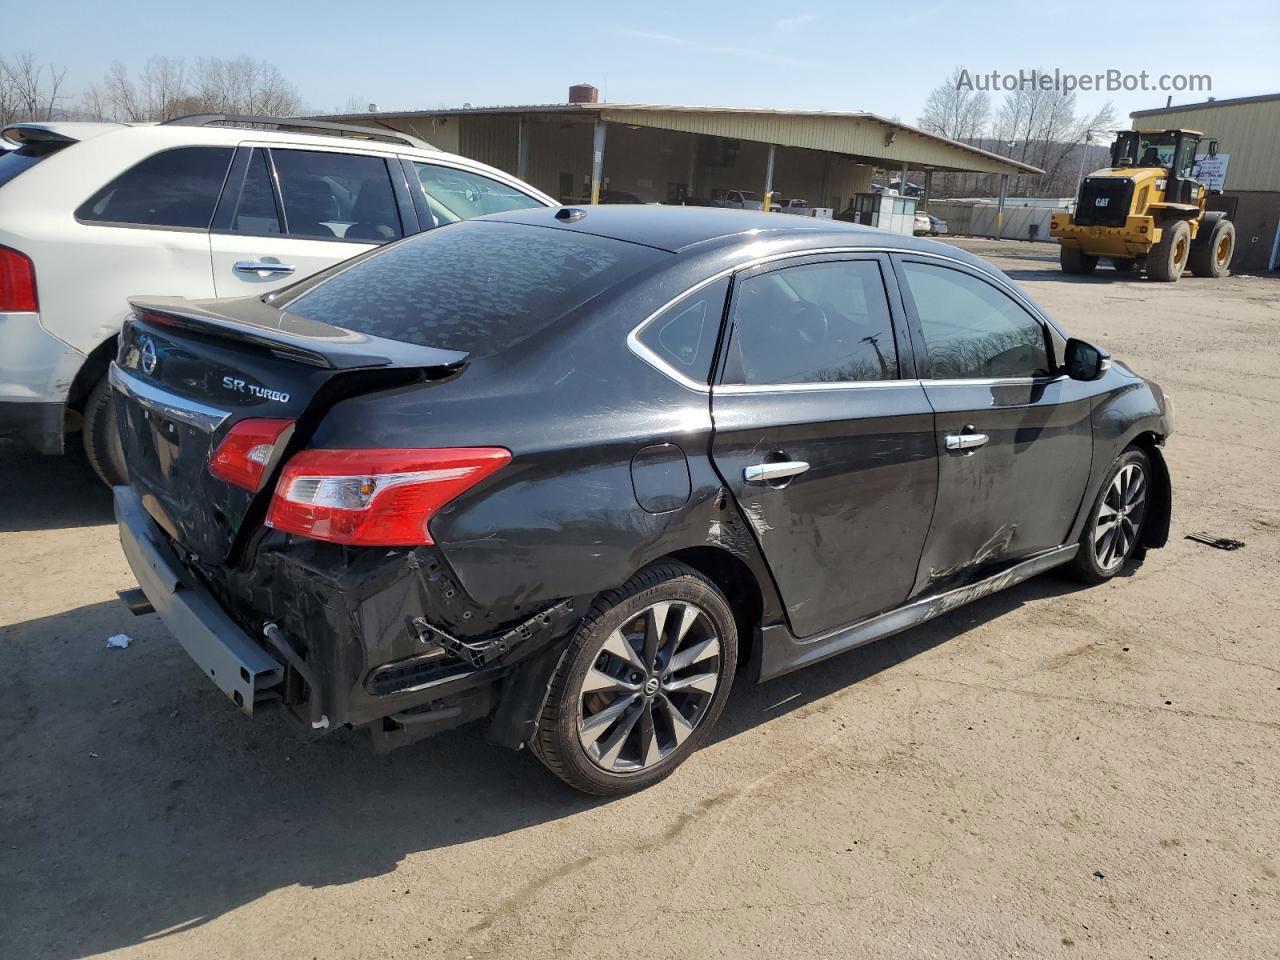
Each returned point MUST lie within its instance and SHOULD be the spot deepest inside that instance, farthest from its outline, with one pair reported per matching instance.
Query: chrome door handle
(764, 472)
(262, 266)
(966, 441)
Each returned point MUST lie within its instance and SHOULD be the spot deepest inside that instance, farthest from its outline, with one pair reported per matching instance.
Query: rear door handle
(966, 441)
(262, 266)
(764, 472)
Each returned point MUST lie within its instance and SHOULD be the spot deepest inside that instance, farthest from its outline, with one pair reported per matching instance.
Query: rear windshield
(478, 286)
(14, 162)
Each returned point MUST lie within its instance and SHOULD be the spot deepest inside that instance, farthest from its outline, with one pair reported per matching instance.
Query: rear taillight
(379, 498)
(242, 457)
(17, 282)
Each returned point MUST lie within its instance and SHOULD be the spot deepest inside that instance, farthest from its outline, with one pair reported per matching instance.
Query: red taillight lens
(381, 498)
(17, 282)
(242, 456)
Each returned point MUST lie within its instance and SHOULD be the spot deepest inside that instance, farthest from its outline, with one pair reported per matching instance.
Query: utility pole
(1084, 156)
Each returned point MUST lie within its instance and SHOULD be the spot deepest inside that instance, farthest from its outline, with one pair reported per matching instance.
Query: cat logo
(1101, 201)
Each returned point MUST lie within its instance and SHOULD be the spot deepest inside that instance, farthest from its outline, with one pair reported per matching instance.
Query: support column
(597, 162)
(902, 180)
(768, 180)
(928, 188)
(1004, 191)
(691, 190)
(522, 149)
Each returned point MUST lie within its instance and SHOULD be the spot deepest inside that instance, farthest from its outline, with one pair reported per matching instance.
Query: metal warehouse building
(575, 151)
(1248, 131)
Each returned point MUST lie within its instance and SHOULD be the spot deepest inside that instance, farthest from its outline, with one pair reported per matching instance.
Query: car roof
(677, 229)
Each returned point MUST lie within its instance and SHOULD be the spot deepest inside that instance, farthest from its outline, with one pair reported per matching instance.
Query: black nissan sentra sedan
(567, 471)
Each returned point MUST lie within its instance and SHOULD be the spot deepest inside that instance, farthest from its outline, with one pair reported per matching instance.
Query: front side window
(176, 189)
(684, 335)
(337, 196)
(455, 195)
(972, 330)
(817, 323)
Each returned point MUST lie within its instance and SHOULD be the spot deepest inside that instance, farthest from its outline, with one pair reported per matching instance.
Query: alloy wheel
(649, 686)
(1120, 517)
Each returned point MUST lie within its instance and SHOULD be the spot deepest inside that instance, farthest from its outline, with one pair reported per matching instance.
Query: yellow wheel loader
(1147, 211)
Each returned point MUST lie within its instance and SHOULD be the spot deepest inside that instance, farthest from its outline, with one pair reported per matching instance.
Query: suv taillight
(242, 457)
(17, 282)
(382, 498)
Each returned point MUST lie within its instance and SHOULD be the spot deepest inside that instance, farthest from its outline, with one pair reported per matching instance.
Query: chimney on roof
(583, 93)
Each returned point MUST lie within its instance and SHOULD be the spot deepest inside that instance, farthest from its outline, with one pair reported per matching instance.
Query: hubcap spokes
(1120, 517)
(649, 687)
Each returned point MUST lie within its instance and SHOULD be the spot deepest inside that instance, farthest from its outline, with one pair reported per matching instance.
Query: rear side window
(684, 335)
(255, 211)
(477, 286)
(816, 323)
(455, 195)
(14, 162)
(337, 196)
(972, 330)
(177, 189)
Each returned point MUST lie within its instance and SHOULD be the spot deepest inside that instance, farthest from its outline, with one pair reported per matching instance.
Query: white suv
(209, 206)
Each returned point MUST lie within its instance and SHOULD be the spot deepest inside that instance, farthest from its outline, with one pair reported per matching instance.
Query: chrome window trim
(732, 389)
(661, 365)
(995, 381)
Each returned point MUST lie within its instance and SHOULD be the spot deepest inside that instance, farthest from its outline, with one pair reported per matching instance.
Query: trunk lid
(188, 372)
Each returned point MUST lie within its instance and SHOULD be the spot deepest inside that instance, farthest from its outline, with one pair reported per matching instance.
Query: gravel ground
(1051, 772)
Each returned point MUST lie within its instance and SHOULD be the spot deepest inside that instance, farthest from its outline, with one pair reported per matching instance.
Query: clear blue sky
(839, 55)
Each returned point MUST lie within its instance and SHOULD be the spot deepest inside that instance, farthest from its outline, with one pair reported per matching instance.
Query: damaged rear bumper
(242, 670)
(403, 677)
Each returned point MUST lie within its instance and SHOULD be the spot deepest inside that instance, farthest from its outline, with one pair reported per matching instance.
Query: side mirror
(1213, 148)
(1086, 362)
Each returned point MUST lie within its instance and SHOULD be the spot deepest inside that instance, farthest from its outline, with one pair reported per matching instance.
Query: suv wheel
(641, 684)
(1114, 531)
(101, 440)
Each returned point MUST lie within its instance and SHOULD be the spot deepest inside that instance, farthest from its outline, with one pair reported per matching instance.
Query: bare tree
(30, 90)
(955, 111)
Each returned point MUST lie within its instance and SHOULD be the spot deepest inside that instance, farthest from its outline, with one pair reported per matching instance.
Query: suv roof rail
(298, 123)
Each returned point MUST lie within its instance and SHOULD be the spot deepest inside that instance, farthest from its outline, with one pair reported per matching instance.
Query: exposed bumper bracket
(479, 653)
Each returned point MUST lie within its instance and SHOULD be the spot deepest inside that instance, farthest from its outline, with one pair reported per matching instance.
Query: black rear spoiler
(290, 336)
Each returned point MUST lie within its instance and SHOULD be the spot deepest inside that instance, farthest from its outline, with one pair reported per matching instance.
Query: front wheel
(643, 681)
(1114, 531)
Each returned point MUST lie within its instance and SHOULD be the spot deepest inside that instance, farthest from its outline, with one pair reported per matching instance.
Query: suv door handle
(764, 472)
(262, 266)
(966, 441)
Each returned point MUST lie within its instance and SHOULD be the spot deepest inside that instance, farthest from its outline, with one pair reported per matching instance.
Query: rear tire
(100, 437)
(1122, 264)
(1116, 520)
(624, 711)
(1075, 260)
(1212, 249)
(1168, 258)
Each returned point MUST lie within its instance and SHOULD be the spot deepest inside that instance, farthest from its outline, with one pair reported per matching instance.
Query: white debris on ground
(119, 641)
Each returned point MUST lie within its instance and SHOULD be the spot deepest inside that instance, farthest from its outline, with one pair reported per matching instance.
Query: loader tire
(1168, 258)
(1211, 251)
(1075, 260)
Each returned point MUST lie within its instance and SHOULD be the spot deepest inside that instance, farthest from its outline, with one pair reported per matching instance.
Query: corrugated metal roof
(858, 133)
